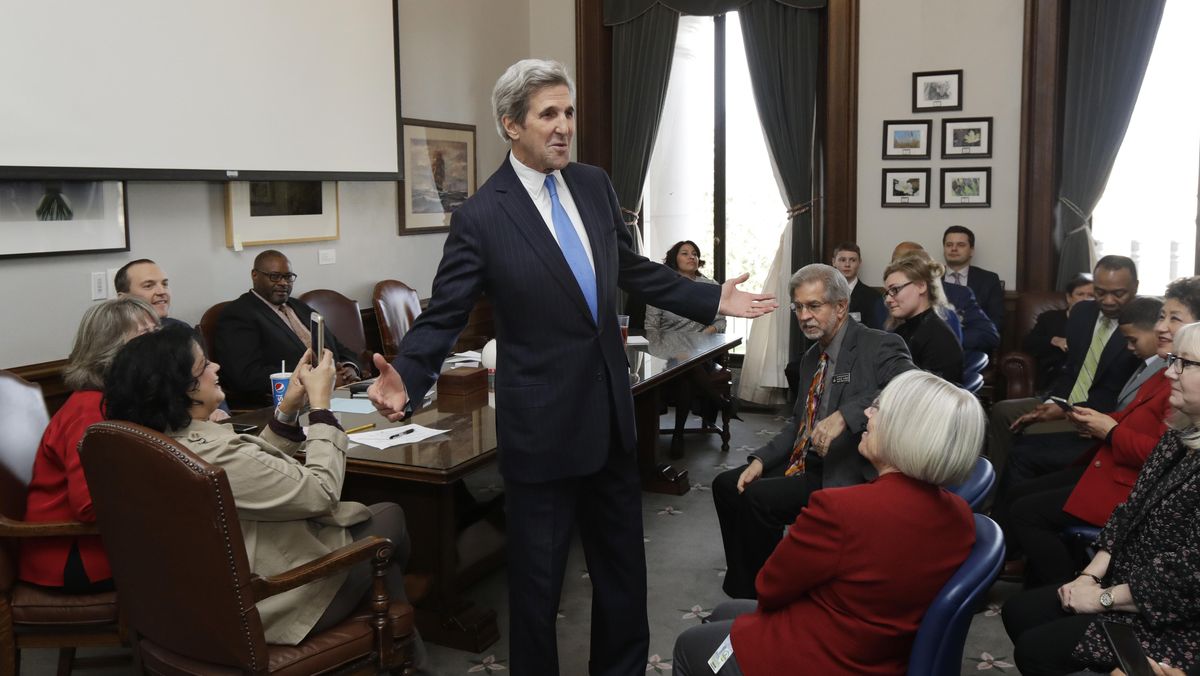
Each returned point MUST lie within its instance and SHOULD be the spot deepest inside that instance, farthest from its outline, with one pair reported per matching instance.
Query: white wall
(898, 38)
(451, 52)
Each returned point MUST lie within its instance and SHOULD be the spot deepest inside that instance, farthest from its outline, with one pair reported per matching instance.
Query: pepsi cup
(279, 385)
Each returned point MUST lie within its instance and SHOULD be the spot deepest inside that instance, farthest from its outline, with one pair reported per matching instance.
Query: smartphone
(1063, 404)
(1128, 650)
(316, 326)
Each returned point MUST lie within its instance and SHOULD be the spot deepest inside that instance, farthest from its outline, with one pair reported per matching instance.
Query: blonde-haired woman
(845, 590)
(915, 301)
(58, 491)
(1145, 573)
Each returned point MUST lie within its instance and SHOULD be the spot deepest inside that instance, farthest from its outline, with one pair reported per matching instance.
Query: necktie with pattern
(572, 248)
(1083, 383)
(804, 432)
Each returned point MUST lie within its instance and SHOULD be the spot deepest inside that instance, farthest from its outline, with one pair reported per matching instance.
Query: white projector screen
(198, 89)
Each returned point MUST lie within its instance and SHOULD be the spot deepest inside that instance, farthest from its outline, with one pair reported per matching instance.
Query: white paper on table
(469, 355)
(350, 405)
(394, 436)
(637, 340)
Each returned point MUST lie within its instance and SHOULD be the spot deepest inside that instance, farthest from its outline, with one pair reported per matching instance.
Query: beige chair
(32, 616)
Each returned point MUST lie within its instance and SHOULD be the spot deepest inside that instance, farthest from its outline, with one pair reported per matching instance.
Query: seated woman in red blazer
(1102, 478)
(845, 590)
(58, 491)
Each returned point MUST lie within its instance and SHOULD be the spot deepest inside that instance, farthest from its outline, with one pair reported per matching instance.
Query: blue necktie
(572, 248)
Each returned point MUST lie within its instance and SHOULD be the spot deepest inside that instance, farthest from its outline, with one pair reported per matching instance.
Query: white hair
(1187, 339)
(510, 96)
(836, 286)
(928, 428)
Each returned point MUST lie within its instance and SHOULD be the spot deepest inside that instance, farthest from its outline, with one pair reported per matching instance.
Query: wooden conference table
(456, 540)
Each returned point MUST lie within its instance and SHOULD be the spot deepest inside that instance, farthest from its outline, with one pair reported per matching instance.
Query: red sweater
(845, 590)
(58, 492)
(1114, 466)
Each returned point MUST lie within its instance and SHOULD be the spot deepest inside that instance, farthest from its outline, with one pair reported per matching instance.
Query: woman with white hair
(1147, 572)
(845, 590)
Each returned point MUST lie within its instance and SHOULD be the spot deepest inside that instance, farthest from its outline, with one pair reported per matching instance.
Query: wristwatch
(1106, 599)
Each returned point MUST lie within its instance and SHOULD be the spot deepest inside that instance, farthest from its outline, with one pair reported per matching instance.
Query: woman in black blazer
(915, 300)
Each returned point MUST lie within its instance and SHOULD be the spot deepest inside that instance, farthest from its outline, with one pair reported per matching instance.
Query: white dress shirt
(949, 278)
(535, 184)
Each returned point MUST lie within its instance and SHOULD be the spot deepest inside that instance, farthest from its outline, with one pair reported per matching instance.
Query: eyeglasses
(1178, 363)
(275, 277)
(813, 307)
(894, 291)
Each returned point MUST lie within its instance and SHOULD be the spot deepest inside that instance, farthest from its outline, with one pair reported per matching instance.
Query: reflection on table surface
(669, 350)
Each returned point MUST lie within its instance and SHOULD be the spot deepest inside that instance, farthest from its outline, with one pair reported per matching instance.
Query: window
(1148, 210)
(686, 171)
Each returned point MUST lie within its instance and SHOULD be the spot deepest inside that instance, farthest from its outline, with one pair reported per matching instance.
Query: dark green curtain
(781, 49)
(620, 11)
(1108, 46)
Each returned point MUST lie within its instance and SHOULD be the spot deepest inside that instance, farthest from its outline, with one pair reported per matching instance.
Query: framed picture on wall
(937, 90)
(280, 212)
(53, 218)
(905, 188)
(966, 137)
(439, 174)
(967, 187)
(906, 139)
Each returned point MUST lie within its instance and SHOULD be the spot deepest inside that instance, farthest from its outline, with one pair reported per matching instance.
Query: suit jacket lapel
(847, 354)
(526, 218)
(277, 322)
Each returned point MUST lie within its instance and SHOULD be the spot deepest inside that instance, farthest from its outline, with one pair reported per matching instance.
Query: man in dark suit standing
(958, 245)
(840, 375)
(847, 258)
(264, 326)
(1097, 363)
(544, 237)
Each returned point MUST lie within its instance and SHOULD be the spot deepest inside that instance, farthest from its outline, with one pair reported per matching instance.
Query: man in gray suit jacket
(839, 377)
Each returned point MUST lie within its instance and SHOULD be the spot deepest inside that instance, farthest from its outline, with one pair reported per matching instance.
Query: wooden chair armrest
(373, 547)
(30, 529)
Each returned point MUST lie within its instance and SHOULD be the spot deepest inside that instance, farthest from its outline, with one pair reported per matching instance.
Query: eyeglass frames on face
(275, 277)
(813, 307)
(894, 291)
(1178, 363)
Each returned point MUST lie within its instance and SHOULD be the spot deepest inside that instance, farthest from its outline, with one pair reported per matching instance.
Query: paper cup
(279, 385)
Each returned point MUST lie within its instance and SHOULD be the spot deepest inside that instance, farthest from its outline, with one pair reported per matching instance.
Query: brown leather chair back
(397, 306)
(1030, 304)
(208, 328)
(343, 319)
(172, 533)
(25, 421)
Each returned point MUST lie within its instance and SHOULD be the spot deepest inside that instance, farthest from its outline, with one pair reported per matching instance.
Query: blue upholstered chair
(938, 648)
(977, 486)
(1081, 540)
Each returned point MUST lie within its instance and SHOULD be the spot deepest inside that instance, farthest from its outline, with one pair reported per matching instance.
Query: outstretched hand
(388, 393)
(738, 303)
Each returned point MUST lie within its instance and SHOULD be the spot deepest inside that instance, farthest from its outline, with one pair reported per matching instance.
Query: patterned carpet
(685, 562)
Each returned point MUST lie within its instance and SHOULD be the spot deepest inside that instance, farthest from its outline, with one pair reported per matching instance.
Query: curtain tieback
(802, 208)
(1084, 218)
(631, 217)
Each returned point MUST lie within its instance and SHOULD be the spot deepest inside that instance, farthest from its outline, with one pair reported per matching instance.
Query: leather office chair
(397, 306)
(175, 544)
(978, 485)
(938, 648)
(343, 318)
(1019, 369)
(208, 328)
(32, 616)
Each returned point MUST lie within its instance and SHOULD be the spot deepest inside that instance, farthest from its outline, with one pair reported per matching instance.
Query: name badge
(719, 658)
(841, 378)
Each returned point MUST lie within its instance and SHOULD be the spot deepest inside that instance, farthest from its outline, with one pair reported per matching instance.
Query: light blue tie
(572, 248)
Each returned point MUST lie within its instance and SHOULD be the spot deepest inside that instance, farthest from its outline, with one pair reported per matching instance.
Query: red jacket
(1113, 466)
(845, 590)
(58, 492)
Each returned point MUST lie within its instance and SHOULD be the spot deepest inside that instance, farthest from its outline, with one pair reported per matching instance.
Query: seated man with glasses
(266, 326)
(840, 375)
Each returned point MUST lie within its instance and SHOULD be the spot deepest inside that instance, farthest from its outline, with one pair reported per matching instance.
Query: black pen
(400, 434)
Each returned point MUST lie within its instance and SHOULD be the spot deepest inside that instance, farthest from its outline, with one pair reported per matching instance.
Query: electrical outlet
(99, 287)
(326, 256)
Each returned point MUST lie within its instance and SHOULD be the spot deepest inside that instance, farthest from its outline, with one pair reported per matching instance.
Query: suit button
(599, 376)
(1097, 463)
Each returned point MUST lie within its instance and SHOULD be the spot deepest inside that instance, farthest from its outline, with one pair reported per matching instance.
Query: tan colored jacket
(290, 513)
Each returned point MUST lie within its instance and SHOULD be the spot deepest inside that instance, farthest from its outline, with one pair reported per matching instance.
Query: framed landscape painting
(906, 139)
(439, 174)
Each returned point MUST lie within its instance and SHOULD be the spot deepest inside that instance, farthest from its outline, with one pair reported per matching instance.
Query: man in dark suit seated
(1097, 363)
(847, 258)
(1047, 341)
(839, 377)
(958, 247)
(266, 326)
